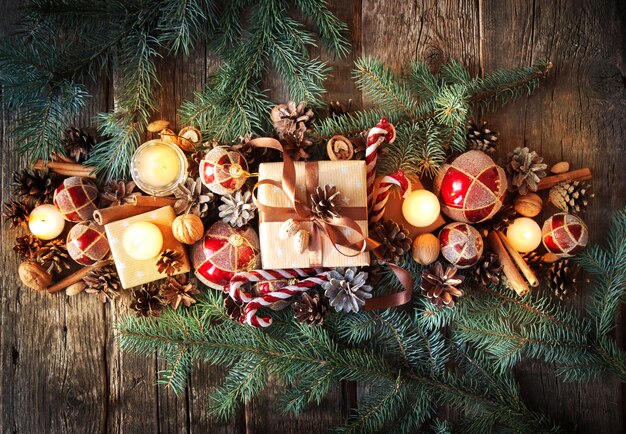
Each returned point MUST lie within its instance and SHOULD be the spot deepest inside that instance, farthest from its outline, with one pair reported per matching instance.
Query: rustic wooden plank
(577, 115)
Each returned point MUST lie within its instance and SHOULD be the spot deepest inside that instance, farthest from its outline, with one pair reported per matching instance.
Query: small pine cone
(535, 261)
(311, 309)
(237, 209)
(481, 138)
(326, 202)
(54, 257)
(394, 239)
(193, 163)
(346, 289)
(291, 118)
(561, 278)
(34, 185)
(147, 301)
(297, 146)
(192, 198)
(170, 261)
(78, 143)
(118, 193)
(179, 289)
(439, 285)
(103, 282)
(17, 213)
(525, 169)
(233, 308)
(571, 196)
(27, 246)
(336, 108)
(254, 155)
(488, 269)
(499, 222)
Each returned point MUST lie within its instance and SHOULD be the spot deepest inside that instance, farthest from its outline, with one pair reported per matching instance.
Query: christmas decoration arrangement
(386, 246)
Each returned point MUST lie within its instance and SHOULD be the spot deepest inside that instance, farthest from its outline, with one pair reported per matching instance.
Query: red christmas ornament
(564, 234)
(222, 171)
(222, 252)
(87, 243)
(76, 198)
(471, 189)
(461, 244)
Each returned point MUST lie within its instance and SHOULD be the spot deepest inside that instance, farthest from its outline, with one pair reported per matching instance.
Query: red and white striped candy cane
(239, 279)
(250, 316)
(382, 194)
(382, 132)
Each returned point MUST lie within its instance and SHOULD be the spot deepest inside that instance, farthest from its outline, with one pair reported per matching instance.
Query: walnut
(34, 276)
(187, 228)
(339, 148)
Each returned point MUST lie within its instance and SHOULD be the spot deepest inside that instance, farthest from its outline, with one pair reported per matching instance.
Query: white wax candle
(159, 165)
(46, 222)
(524, 234)
(142, 241)
(421, 208)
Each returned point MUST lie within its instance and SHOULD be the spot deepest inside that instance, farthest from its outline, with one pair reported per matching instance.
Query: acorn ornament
(76, 198)
(222, 171)
(87, 243)
(461, 244)
(564, 234)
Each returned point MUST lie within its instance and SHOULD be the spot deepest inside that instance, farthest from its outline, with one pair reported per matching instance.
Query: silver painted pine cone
(346, 289)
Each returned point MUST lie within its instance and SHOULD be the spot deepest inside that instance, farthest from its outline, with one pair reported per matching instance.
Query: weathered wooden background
(61, 371)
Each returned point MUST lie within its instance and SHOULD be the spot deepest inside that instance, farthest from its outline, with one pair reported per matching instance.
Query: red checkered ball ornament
(76, 198)
(87, 243)
(222, 252)
(472, 188)
(564, 234)
(461, 244)
(222, 171)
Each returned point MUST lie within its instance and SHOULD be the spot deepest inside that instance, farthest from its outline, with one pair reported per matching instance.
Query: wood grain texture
(61, 371)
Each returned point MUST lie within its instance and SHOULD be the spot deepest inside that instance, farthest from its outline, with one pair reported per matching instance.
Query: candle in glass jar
(46, 222)
(142, 240)
(524, 234)
(158, 167)
(421, 208)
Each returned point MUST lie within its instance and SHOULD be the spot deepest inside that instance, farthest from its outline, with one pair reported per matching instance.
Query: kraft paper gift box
(133, 272)
(350, 179)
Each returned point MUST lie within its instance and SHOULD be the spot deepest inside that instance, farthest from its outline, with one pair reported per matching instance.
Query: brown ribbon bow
(330, 228)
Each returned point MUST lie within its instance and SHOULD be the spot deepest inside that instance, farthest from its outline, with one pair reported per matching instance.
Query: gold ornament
(187, 228)
(425, 249)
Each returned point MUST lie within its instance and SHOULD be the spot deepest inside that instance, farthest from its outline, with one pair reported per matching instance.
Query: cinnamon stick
(528, 273)
(114, 213)
(515, 279)
(574, 175)
(65, 168)
(75, 277)
(158, 202)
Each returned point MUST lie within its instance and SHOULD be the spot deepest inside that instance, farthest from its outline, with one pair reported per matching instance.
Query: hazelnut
(425, 249)
(528, 205)
(34, 276)
(159, 125)
(187, 228)
(189, 138)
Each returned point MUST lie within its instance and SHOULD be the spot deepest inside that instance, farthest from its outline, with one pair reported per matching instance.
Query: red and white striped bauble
(76, 198)
(461, 244)
(222, 171)
(564, 234)
(87, 243)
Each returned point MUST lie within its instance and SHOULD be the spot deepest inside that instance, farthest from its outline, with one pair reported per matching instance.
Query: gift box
(133, 272)
(349, 177)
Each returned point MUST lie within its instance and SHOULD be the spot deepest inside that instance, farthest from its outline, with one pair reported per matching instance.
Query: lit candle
(46, 222)
(142, 240)
(158, 167)
(420, 208)
(524, 234)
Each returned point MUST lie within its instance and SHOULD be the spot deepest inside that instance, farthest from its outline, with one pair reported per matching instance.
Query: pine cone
(34, 185)
(291, 118)
(103, 282)
(118, 193)
(17, 213)
(254, 155)
(297, 146)
(525, 169)
(440, 286)
(488, 269)
(394, 239)
(570, 196)
(561, 278)
(193, 198)
(499, 222)
(534, 259)
(346, 289)
(54, 257)
(237, 209)
(78, 143)
(325, 202)
(178, 289)
(481, 138)
(169, 261)
(27, 246)
(147, 300)
(335, 108)
(311, 309)
(193, 163)
(233, 308)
